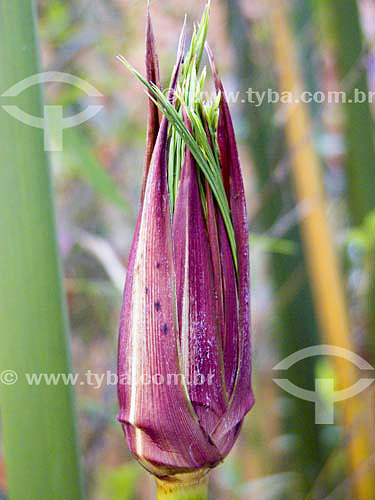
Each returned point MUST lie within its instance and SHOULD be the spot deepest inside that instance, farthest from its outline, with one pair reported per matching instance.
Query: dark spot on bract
(165, 328)
(157, 265)
(157, 306)
(146, 290)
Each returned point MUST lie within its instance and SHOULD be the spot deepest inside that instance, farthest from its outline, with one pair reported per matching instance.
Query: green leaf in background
(275, 245)
(363, 239)
(345, 34)
(119, 483)
(79, 156)
(38, 422)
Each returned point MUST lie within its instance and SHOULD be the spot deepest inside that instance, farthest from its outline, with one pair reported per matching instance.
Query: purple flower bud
(184, 358)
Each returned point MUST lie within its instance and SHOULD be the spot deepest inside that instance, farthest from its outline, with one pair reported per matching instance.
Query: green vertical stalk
(347, 34)
(371, 297)
(345, 29)
(38, 422)
(296, 325)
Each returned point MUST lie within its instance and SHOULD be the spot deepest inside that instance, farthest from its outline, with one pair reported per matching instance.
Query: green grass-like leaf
(198, 148)
(203, 147)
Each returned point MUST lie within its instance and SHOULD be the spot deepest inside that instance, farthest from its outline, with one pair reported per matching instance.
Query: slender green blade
(345, 26)
(83, 161)
(198, 147)
(346, 31)
(188, 99)
(38, 422)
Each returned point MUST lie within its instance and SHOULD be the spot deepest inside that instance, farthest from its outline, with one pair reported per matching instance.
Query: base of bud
(187, 486)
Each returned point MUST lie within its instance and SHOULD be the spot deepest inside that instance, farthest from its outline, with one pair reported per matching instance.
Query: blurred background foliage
(281, 453)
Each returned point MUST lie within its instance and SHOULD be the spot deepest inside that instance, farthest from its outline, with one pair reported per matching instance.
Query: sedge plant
(184, 359)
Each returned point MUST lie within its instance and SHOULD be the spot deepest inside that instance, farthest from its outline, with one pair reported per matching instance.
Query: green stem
(359, 128)
(38, 423)
(192, 486)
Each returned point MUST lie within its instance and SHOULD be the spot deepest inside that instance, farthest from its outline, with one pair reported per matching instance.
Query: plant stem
(38, 422)
(192, 486)
(359, 124)
(359, 127)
